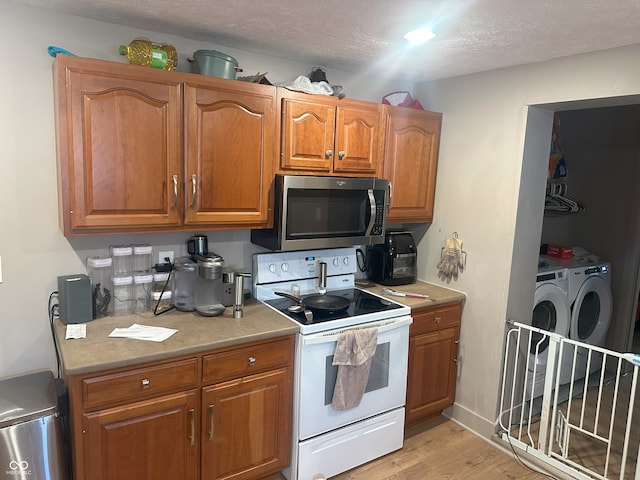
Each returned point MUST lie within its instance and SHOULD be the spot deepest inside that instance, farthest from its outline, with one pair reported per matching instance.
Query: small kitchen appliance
(209, 286)
(198, 245)
(313, 212)
(393, 262)
(322, 299)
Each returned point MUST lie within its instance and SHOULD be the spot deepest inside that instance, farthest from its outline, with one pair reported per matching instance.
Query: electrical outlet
(163, 255)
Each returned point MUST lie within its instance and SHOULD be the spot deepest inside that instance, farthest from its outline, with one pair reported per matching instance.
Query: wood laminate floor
(441, 449)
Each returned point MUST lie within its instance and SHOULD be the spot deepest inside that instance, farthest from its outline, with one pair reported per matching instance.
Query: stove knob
(336, 262)
(272, 267)
(285, 267)
(345, 260)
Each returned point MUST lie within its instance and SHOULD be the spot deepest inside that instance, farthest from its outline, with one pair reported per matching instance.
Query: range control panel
(292, 266)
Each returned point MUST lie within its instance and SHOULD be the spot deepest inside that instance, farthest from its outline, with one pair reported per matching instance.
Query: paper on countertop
(76, 330)
(143, 332)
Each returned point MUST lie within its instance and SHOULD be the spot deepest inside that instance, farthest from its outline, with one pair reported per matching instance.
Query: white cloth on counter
(143, 332)
(354, 351)
(303, 84)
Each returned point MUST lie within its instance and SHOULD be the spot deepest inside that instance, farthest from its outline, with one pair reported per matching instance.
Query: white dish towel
(353, 354)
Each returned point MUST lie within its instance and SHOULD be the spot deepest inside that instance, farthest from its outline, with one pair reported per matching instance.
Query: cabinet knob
(437, 319)
(252, 360)
(456, 342)
(328, 153)
(145, 383)
(342, 154)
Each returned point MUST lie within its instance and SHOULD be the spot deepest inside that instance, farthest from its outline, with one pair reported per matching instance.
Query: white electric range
(326, 441)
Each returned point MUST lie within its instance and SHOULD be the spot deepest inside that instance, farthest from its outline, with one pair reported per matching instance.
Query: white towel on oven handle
(354, 350)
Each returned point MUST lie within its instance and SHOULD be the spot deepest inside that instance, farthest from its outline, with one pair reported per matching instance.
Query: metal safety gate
(570, 404)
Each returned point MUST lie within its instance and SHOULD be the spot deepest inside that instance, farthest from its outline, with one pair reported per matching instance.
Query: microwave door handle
(372, 212)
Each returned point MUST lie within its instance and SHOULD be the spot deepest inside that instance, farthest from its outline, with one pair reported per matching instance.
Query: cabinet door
(246, 426)
(412, 142)
(358, 140)
(148, 440)
(431, 385)
(307, 136)
(231, 148)
(119, 147)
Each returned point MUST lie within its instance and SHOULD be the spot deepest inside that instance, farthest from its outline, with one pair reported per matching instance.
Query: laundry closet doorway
(602, 151)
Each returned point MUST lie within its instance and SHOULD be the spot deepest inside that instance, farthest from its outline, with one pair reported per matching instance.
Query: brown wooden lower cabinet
(433, 352)
(227, 417)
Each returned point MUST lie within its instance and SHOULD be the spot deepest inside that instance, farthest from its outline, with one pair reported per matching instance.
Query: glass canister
(122, 256)
(100, 270)
(162, 296)
(184, 277)
(209, 287)
(123, 299)
(142, 258)
(142, 289)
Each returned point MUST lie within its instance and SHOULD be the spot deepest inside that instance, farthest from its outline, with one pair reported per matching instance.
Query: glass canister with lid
(123, 297)
(184, 277)
(100, 270)
(122, 256)
(142, 291)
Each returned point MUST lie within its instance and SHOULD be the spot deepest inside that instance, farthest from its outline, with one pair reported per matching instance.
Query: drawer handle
(438, 319)
(192, 437)
(210, 422)
(252, 360)
(145, 383)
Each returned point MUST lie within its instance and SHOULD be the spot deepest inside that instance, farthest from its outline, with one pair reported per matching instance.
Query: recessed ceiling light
(419, 36)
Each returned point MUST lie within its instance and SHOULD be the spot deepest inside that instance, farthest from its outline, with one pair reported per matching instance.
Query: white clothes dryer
(550, 312)
(591, 303)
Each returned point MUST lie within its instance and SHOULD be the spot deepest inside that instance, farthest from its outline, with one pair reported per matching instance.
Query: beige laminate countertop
(195, 334)
(438, 295)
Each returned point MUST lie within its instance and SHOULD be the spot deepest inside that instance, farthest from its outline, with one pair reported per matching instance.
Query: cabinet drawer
(428, 320)
(139, 383)
(247, 360)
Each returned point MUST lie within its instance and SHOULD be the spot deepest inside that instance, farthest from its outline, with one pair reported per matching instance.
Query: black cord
(521, 462)
(52, 312)
(361, 259)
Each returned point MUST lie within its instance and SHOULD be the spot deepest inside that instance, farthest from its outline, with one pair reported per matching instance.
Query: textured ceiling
(354, 35)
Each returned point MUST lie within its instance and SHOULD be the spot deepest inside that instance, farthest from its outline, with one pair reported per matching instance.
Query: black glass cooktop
(360, 303)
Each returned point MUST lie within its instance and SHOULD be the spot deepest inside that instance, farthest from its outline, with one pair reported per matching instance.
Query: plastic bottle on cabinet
(142, 51)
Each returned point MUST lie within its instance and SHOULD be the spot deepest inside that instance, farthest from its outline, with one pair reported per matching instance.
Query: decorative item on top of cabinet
(412, 143)
(433, 352)
(323, 135)
(121, 167)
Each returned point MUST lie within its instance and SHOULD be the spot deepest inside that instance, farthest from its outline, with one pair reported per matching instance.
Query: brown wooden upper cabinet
(143, 150)
(323, 135)
(412, 142)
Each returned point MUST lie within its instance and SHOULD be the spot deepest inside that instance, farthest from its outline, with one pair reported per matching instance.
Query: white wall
(478, 191)
(33, 250)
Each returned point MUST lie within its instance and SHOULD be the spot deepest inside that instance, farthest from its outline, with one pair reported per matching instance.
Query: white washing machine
(591, 305)
(551, 312)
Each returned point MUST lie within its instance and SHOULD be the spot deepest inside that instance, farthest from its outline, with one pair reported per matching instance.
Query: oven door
(316, 377)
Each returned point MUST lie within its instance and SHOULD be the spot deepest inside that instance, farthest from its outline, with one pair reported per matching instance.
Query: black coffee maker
(393, 262)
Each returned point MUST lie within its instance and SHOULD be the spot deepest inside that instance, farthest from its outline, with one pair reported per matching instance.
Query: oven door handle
(332, 335)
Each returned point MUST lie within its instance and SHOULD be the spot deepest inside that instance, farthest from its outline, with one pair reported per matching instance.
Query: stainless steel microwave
(325, 212)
